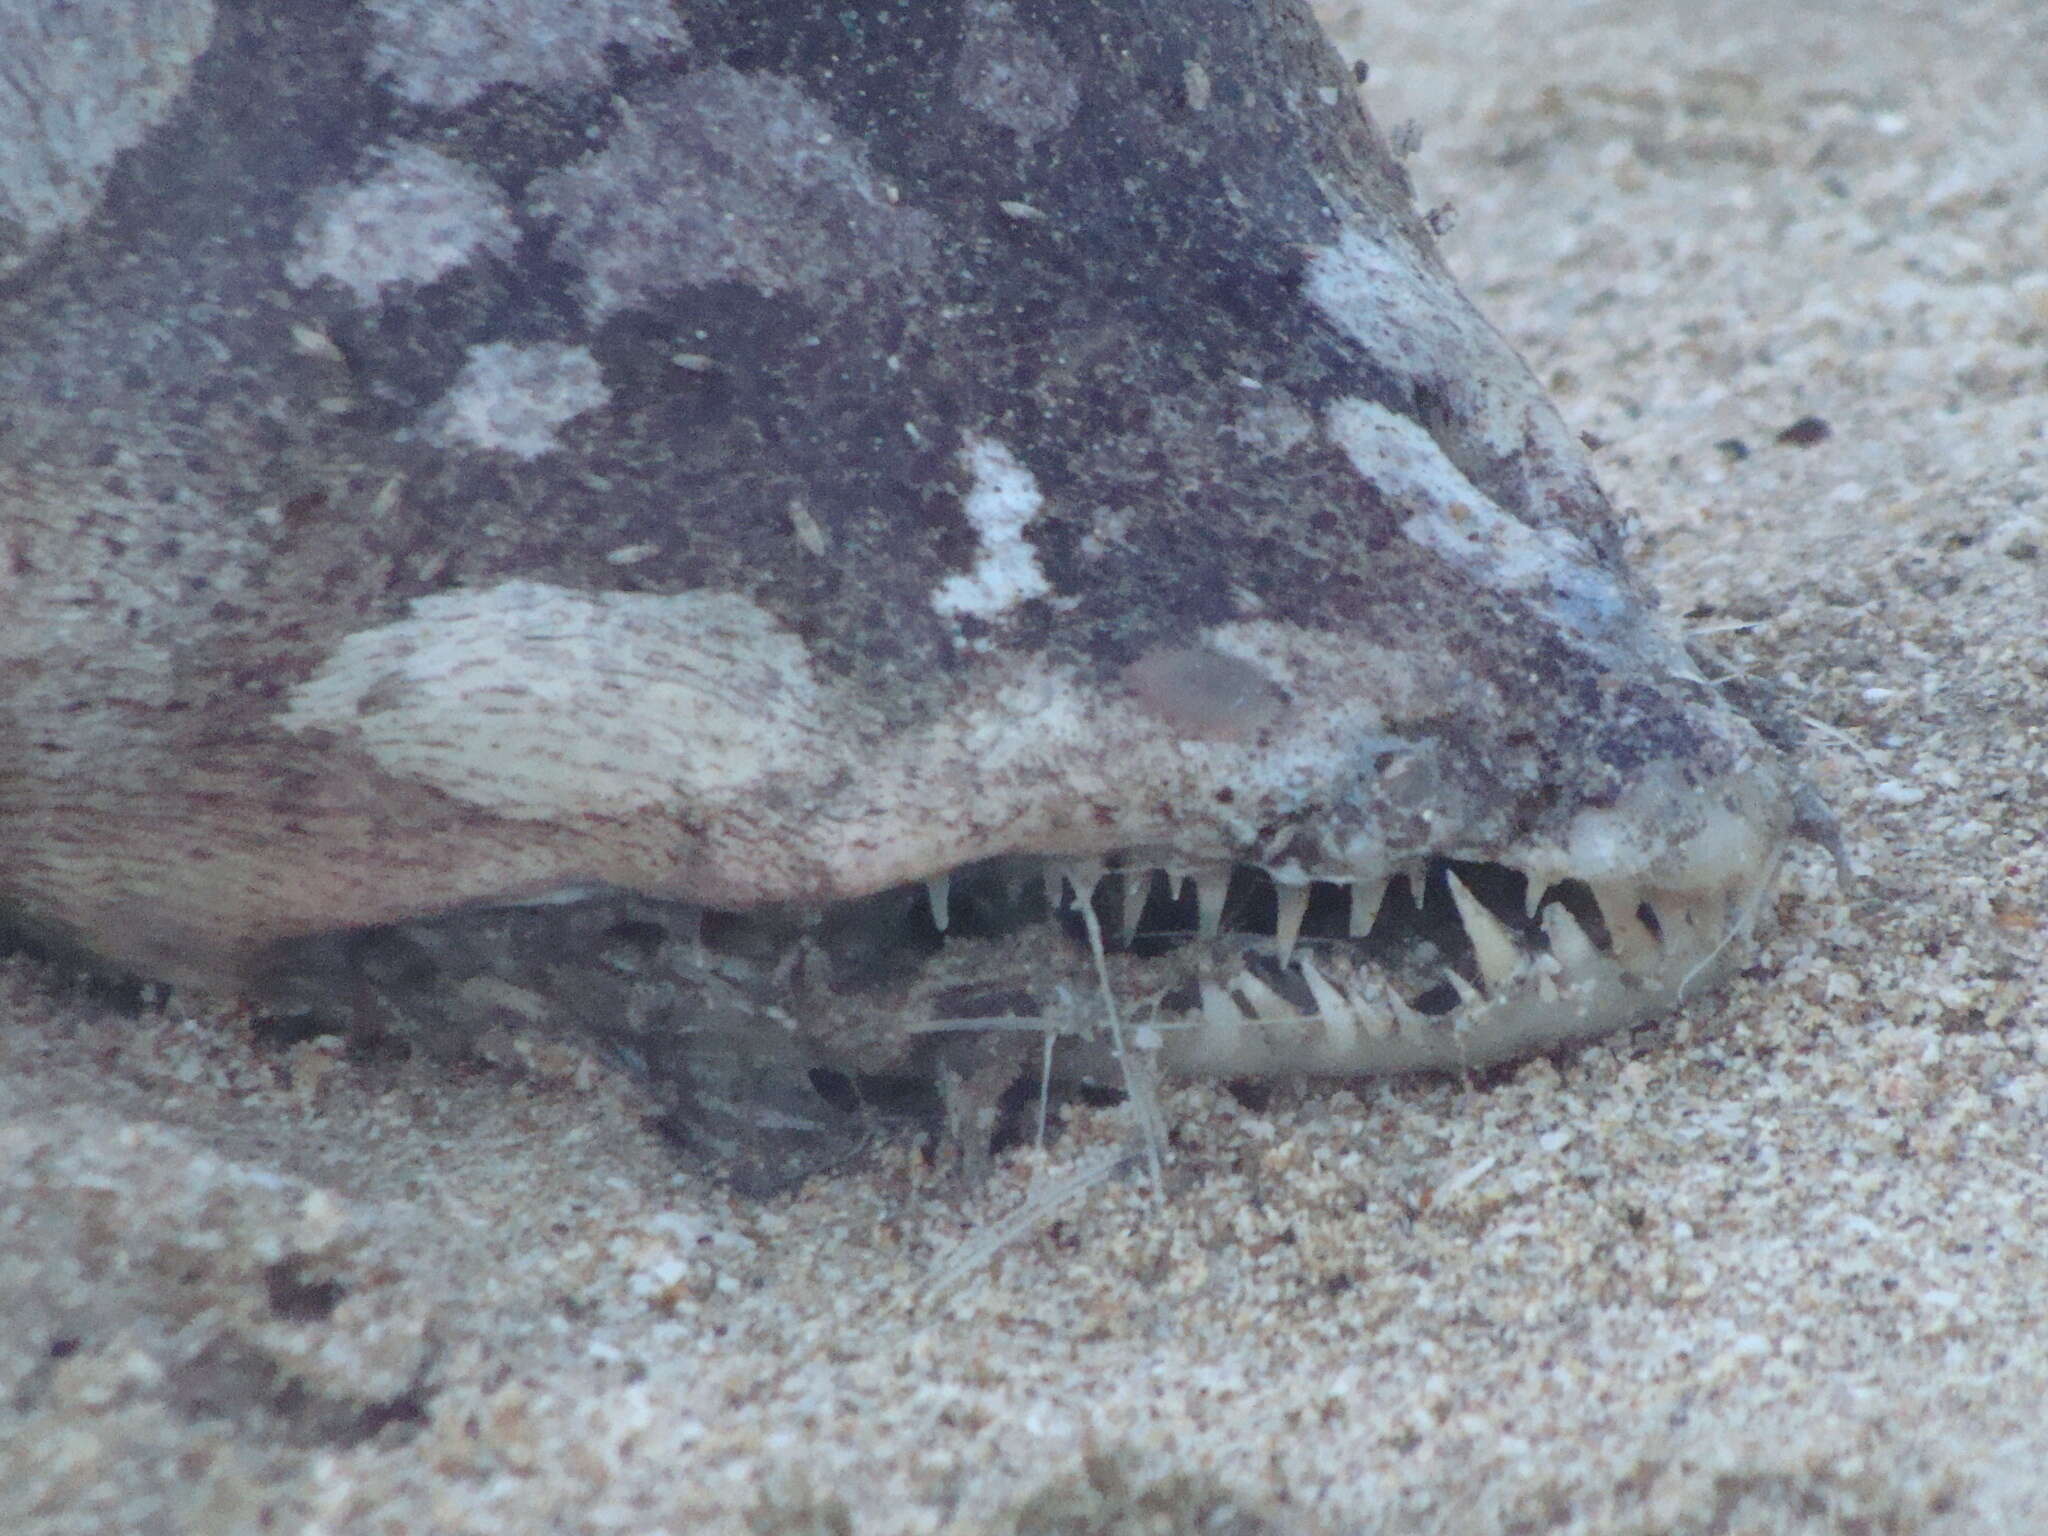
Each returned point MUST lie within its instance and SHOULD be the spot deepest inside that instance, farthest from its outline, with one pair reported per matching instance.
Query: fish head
(829, 470)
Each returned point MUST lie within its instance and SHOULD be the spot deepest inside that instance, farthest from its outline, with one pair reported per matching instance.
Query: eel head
(981, 515)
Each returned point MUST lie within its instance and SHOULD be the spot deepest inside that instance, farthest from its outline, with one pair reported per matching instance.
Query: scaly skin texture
(757, 457)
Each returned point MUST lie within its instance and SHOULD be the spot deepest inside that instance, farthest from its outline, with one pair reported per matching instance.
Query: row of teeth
(1500, 955)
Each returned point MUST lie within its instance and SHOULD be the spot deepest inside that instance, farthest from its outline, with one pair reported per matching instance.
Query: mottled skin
(767, 454)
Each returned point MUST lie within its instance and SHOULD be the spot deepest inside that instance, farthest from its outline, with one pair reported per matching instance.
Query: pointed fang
(1366, 901)
(1500, 957)
(1338, 1019)
(1137, 890)
(940, 889)
(1468, 995)
(1211, 886)
(1293, 908)
(1378, 1007)
(1568, 941)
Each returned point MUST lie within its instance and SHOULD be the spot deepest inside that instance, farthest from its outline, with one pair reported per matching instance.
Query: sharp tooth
(1331, 1003)
(1375, 1005)
(1218, 1011)
(1634, 945)
(1293, 907)
(1406, 1014)
(1211, 886)
(1498, 954)
(1366, 901)
(1467, 993)
(1083, 877)
(1137, 887)
(1568, 941)
(940, 889)
(1263, 1001)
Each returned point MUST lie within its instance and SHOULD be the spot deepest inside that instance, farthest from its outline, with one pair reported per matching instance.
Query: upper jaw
(1453, 958)
(1356, 886)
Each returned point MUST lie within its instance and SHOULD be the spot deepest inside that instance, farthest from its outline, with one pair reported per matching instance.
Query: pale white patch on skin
(513, 397)
(726, 176)
(1413, 322)
(419, 215)
(540, 702)
(443, 55)
(1403, 462)
(1001, 503)
(1454, 519)
(1013, 75)
(1277, 428)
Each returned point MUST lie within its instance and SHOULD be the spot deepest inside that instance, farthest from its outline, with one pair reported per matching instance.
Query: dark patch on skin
(1646, 728)
(804, 398)
(276, 103)
(515, 133)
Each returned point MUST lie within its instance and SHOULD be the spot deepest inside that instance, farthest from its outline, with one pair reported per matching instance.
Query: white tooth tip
(1330, 1001)
(1293, 907)
(1137, 889)
(1499, 956)
(940, 890)
(1568, 940)
(1468, 994)
(1366, 901)
(1210, 889)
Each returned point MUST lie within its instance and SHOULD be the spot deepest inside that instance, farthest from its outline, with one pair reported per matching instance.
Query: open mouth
(1448, 963)
(773, 1035)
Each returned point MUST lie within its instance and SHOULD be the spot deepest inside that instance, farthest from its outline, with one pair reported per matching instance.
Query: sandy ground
(1778, 1266)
